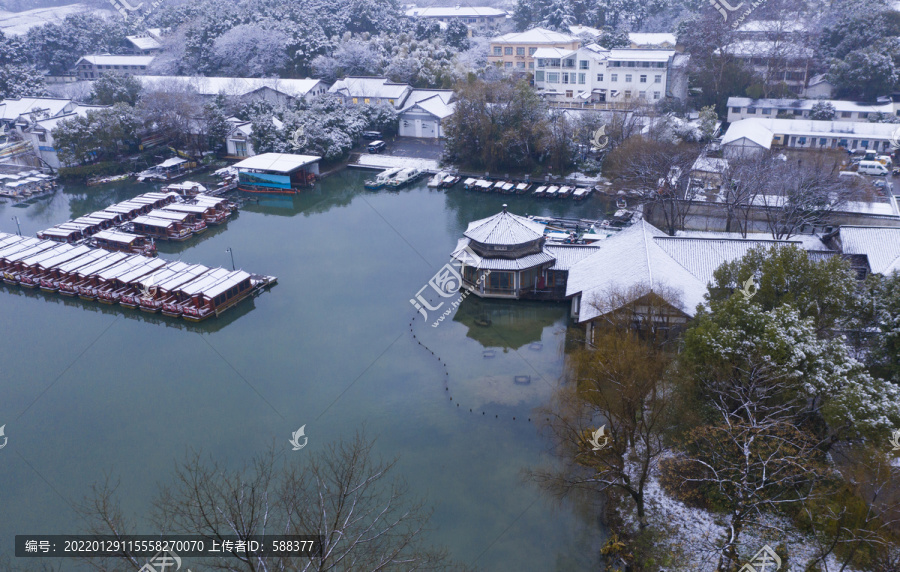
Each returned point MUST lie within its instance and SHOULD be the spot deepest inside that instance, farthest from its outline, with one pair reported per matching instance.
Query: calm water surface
(88, 390)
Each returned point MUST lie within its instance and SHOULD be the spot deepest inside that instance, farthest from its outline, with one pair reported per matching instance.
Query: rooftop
(230, 86)
(881, 246)
(535, 36)
(807, 104)
(812, 127)
(504, 228)
(454, 11)
(277, 162)
(379, 87)
(751, 130)
(118, 60)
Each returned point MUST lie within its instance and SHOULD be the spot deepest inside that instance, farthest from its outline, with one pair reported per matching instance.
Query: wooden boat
(118, 241)
(169, 170)
(551, 191)
(192, 220)
(88, 288)
(564, 192)
(404, 177)
(539, 192)
(435, 181)
(214, 298)
(113, 217)
(218, 209)
(381, 179)
(67, 235)
(449, 181)
(50, 280)
(10, 262)
(483, 185)
(523, 188)
(20, 265)
(161, 229)
(186, 188)
(173, 305)
(94, 181)
(99, 223)
(124, 284)
(580, 194)
(32, 274)
(71, 284)
(507, 188)
(469, 183)
(161, 285)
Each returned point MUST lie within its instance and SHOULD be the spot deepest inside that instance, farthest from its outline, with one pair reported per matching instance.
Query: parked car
(376, 146)
(371, 134)
(873, 168)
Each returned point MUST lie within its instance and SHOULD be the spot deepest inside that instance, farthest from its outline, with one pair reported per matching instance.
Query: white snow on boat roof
(157, 278)
(47, 253)
(143, 269)
(131, 261)
(104, 214)
(72, 253)
(117, 236)
(229, 281)
(196, 209)
(169, 215)
(87, 258)
(19, 245)
(40, 246)
(277, 162)
(61, 232)
(204, 281)
(109, 259)
(153, 221)
(184, 277)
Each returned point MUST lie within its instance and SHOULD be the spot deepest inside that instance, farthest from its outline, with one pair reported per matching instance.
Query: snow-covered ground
(387, 162)
(18, 23)
(695, 532)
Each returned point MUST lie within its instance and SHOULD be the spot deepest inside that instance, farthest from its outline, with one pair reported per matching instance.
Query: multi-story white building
(593, 74)
(515, 52)
(480, 17)
(747, 108)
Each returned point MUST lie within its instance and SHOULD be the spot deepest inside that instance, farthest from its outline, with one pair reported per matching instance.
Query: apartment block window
(531, 51)
(507, 51)
(627, 94)
(643, 78)
(569, 62)
(751, 111)
(565, 77)
(655, 95)
(569, 93)
(599, 77)
(863, 115)
(822, 142)
(42, 137)
(766, 111)
(642, 94)
(628, 78)
(553, 77)
(583, 64)
(539, 75)
(864, 144)
(367, 100)
(614, 77)
(645, 64)
(520, 51)
(630, 64)
(498, 51)
(846, 114)
(581, 78)
(520, 65)
(531, 65)
(355, 100)
(507, 64)
(657, 79)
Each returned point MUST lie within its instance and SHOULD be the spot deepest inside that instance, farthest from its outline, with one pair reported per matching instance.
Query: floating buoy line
(520, 380)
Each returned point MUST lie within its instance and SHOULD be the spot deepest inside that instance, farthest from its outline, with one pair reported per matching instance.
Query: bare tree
(343, 495)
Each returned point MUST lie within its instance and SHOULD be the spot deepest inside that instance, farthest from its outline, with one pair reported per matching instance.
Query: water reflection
(508, 324)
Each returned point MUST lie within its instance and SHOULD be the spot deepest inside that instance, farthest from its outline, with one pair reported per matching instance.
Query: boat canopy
(203, 282)
(72, 253)
(117, 236)
(152, 221)
(141, 270)
(87, 258)
(168, 215)
(184, 277)
(110, 259)
(229, 281)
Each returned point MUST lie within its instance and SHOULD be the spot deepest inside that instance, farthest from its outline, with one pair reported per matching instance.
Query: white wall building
(479, 17)
(371, 90)
(592, 74)
(274, 90)
(807, 134)
(747, 108)
(95, 67)
(424, 112)
(39, 133)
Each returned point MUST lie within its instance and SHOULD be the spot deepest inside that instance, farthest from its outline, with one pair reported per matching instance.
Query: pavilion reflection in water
(507, 324)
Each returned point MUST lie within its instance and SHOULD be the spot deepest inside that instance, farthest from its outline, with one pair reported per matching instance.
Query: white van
(873, 168)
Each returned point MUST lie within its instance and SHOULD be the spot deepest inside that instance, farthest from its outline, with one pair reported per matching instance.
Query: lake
(90, 390)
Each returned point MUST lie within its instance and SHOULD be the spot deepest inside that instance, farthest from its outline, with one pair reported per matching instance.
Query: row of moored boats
(192, 291)
(535, 190)
(134, 225)
(394, 178)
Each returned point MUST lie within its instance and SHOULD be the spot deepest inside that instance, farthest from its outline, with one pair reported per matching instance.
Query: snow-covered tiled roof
(455, 11)
(379, 87)
(627, 260)
(552, 53)
(567, 255)
(652, 39)
(417, 95)
(749, 129)
(433, 105)
(10, 109)
(579, 30)
(881, 245)
(710, 165)
(809, 127)
(144, 42)
(637, 54)
(118, 60)
(521, 263)
(504, 228)
(231, 86)
(535, 36)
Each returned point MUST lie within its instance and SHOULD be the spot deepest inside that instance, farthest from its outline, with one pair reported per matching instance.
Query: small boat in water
(404, 177)
(580, 194)
(449, 181)
(523, 188)
(168, 170)
(435, 181)
(469, 183)
(551, 191)
(381, 179)
(539, 192)
(564, 191)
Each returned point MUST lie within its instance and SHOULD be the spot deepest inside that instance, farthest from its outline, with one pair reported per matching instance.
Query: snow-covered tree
(457, 35)
(115, 88)
(822, 111)
(251, 50)
(98, 135)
